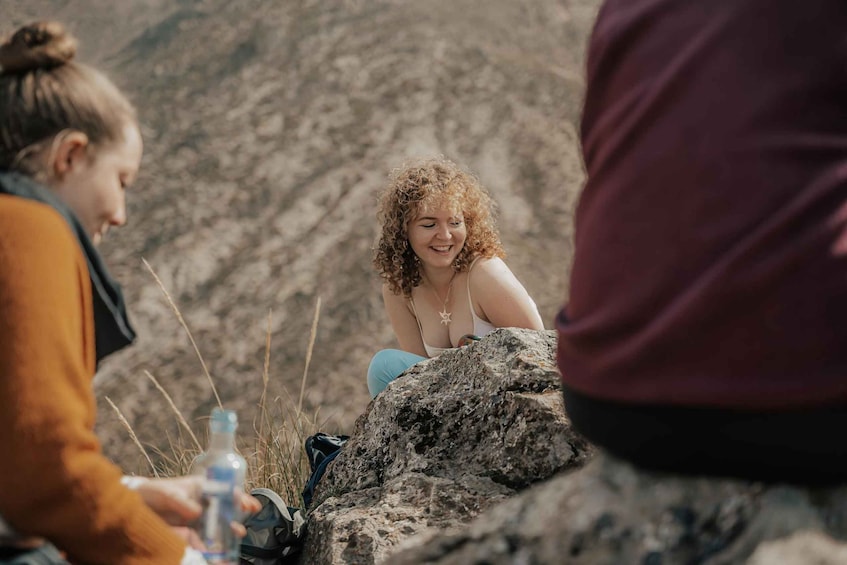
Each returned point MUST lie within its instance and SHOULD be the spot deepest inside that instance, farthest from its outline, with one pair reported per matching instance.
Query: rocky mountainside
(269, 127)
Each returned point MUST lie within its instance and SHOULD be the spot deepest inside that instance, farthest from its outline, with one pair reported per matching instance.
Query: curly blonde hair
(434, 182)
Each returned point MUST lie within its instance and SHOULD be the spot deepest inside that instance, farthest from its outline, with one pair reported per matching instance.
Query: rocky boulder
(470, 459)
(446, 441)
(610, 512)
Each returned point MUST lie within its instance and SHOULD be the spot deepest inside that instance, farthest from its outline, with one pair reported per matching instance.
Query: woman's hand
(177, 500)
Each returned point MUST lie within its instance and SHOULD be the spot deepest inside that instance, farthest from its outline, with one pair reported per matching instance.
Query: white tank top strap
(480, 326)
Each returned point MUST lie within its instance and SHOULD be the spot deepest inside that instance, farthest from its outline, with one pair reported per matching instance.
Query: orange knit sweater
(54, 481)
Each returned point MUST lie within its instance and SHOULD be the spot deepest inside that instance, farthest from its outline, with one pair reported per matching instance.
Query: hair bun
(41, 45)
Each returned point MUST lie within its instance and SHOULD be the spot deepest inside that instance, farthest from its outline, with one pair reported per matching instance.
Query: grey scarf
(111, 323)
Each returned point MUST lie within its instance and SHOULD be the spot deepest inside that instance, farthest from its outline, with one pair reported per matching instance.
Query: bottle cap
(223, 420)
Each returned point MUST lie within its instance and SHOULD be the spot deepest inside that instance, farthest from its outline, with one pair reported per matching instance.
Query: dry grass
(185, 327)
(276, 459)
(132, 434)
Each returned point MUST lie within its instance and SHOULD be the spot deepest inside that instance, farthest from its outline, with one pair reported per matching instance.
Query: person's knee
(378, 373)
(386, 366)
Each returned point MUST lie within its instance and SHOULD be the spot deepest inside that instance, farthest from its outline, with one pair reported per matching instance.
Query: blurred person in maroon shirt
(706, 327)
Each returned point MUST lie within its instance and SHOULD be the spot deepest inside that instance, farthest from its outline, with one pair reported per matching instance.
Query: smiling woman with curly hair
(438, 235)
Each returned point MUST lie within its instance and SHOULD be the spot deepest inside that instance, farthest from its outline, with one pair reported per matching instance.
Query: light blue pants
(386, 366)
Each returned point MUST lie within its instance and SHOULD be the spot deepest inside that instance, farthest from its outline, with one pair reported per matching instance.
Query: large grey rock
(612, 513)
(443, 443)
(801, 548)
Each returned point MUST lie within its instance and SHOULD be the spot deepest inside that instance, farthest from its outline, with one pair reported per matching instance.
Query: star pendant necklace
(445, 315)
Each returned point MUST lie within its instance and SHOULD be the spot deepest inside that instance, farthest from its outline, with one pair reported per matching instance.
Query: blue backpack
(275, 534)
(321, 449)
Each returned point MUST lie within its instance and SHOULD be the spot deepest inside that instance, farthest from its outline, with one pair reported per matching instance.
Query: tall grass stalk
(309, 349)
(266, 369)
(175, 410)
(132, 435)
(279, 461)
(280, 427)
(177, 460)
(185, 327)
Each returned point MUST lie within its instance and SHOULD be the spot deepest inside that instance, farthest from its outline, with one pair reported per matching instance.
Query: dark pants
(44, 555)
(802, 447)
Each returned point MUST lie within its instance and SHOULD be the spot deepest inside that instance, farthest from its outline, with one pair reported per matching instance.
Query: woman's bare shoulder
(488, 268)
(393, 300)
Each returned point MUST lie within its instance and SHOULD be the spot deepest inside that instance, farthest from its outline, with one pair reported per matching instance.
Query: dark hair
(43, 92)
(435, 181)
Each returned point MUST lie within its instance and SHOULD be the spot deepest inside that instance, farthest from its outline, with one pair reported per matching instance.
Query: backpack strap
(321, 449)
(275, 531)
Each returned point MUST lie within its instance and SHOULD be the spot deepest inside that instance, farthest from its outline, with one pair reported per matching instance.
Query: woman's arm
(501, 298)
(57, 484)
(403, 322)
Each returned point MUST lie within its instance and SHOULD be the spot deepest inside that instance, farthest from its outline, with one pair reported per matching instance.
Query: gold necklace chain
(445, 314)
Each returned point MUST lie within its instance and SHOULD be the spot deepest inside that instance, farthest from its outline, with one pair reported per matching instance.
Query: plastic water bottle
(223, 471)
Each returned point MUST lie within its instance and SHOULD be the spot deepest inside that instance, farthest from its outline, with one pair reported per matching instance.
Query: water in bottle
(223, 471)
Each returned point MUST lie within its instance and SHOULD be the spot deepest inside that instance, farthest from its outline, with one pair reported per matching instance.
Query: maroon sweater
(710, 262)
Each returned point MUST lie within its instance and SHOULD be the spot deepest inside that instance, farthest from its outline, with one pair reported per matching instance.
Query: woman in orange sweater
(69, 148)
